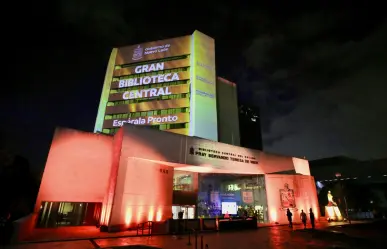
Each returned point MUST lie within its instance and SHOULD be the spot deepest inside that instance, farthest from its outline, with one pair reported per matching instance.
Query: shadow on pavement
(340, 239)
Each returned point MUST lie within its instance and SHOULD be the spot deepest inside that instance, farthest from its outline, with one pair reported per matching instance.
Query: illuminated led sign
(233, 187)
(149, 68)
(193, 83)
(149, 80)
(147, 120)
(173, 64)
(182, 117)
(145, 93)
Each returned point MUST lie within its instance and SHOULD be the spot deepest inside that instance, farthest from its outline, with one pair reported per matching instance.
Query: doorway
(188, 212)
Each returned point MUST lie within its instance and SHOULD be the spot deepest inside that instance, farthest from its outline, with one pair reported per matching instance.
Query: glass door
(188, 212)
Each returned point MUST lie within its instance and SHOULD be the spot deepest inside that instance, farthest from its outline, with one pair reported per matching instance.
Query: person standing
(290, 218)
(311, 215)
(303, 218)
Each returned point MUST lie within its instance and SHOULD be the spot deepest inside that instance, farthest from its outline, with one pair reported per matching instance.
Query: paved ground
(325, 236)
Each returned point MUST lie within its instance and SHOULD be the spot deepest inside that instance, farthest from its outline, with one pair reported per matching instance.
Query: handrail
(143, 227)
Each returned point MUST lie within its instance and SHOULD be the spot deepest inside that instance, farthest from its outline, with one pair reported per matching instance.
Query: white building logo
(137, 53)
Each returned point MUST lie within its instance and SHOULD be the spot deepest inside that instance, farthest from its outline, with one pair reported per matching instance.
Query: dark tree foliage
(18, 188)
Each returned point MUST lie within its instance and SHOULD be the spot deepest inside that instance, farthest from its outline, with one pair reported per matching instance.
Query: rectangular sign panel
(150, 92)
(148, 106)
(148, 120)
(154, 50)
(151, 67)
(203, 88)
(154, 79)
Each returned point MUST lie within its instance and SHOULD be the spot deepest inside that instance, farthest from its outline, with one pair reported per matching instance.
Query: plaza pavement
(279, 236)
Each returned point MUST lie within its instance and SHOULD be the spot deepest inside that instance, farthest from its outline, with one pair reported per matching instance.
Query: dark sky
(318, 72)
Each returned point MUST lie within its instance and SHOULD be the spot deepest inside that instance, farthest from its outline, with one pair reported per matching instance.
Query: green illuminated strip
(148, 113)
(105, 92)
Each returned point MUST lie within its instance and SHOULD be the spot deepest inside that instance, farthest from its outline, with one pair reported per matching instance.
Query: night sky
(318, 73)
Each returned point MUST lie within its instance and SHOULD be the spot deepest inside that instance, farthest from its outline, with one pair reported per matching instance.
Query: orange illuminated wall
(109, 195)
(143, 193)
(132, 173)
(304, 192)
(77, 168)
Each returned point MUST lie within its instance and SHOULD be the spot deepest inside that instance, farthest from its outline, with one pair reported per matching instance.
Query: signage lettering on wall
(138, 52)
(149, 68)
(202, 152)
(148, 80)
(146, 120)
(157, 49)
(145, 93)
(204, 80)
(233, 187)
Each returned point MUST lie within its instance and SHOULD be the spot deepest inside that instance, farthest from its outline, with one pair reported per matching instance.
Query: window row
(154, 73)
(173, 83)
(156, 127)
(148, 113)
(154, 61)
(140, 100)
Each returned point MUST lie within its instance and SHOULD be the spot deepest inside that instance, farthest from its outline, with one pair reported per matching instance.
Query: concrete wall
(77, 168)
(110, 191)
(195, 154)
(304, 194)
(143, 193)
(227, 106)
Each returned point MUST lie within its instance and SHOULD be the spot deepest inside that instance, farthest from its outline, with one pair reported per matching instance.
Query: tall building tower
(168, 85)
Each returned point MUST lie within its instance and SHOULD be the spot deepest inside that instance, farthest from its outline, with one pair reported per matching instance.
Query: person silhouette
(290, 219)
(303, 218)
(311, 216)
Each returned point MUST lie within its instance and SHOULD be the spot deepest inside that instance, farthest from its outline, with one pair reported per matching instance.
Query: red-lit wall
(77, 168)
(304, 192)
(109, 196)
(143, 193)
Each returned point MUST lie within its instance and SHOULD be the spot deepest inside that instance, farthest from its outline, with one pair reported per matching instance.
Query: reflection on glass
(247, 191)
(182, 181)
(54, 214)
(188, 212)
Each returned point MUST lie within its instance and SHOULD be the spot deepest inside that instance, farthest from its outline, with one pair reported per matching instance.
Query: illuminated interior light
(128, 216)
(150, 214)
(159, 215)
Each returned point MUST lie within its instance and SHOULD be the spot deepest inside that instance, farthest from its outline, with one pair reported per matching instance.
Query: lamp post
(338, 175)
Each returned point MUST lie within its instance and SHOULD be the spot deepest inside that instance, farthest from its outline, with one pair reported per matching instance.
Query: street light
(338, 175)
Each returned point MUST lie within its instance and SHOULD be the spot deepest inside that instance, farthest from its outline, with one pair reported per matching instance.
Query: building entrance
(55, 214)
(188, 212)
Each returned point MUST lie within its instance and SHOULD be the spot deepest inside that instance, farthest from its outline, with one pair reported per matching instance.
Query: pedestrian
(290, 219)
(311, 215)
(303, 218)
